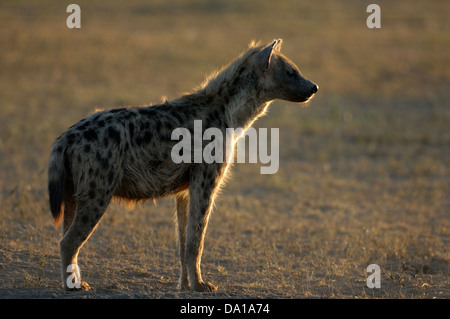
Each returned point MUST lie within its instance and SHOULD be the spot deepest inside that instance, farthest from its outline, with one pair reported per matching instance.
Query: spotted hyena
(126, 153)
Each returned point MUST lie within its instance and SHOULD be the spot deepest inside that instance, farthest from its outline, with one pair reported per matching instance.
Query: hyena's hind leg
(182, 215)
(87, 216)
(70, 205)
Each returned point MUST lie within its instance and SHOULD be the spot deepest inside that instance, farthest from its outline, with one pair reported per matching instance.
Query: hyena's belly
(156, 179)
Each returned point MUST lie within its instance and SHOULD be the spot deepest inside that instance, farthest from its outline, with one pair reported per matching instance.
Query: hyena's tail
(56, 180)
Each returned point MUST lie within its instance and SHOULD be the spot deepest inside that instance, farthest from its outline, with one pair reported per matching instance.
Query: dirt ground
(364, 174)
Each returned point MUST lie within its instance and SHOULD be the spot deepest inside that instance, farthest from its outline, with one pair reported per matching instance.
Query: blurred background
(364, 169)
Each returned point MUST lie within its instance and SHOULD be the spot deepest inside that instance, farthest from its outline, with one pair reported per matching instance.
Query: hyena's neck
(239, 98)
(237, 91)
(244, 109)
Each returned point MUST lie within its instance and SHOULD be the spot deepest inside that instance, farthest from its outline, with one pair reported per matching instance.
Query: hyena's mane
(229, 71)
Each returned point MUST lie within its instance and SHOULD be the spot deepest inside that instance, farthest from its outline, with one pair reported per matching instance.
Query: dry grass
(364, 171)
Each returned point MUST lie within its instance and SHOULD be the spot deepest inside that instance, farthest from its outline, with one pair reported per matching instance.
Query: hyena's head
(281, 78)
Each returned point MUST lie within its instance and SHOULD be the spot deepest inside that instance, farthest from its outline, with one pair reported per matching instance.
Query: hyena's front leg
(182, 215)
(201, 193)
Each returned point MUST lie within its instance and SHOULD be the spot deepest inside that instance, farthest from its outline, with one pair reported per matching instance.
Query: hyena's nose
(314, 88)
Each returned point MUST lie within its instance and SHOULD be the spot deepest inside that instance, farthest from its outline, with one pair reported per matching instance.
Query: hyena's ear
(265, 55)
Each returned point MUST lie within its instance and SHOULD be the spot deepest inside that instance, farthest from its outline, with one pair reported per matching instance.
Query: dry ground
(364, 172)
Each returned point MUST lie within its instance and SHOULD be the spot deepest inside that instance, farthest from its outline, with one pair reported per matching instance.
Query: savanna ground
(364, 175)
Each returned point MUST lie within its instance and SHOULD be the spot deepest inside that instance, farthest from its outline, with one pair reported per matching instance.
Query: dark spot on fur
(116, 110)
(85, 219)
(91, 194)
(146, 138)
(210, 120)
(145, 125)
(108, 118)
(209, 99)
(129, 115)
(110, 177)
(101, 123)
(158, 125)
(147, 111)
(83, 126)
(90, 135)
(226, 99)
(240, 71)
(216, 114)
(131, 130)
(103, 161)
(212, 175)
(234, 87)
(220, 92)
(114, 134)
(72, 137)
(87, 148)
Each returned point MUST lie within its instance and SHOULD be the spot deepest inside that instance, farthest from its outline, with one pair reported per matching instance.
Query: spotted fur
(125, 153)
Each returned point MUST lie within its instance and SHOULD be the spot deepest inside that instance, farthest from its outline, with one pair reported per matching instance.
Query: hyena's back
(122, 152)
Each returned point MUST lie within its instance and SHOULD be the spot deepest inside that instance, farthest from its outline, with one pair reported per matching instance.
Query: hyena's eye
(290, 73)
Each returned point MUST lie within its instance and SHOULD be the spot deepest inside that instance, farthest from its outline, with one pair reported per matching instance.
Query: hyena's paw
(204, 287)
(84, 286)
